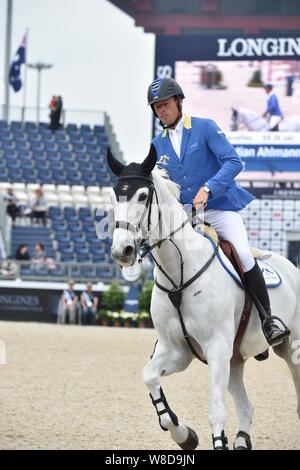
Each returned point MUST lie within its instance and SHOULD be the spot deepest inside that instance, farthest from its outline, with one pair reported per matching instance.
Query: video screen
(213, 88)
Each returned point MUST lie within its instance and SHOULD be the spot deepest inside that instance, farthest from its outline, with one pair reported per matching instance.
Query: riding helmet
(162, 89)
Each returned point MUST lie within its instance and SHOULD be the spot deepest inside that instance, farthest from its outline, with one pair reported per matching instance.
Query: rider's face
(167, 111)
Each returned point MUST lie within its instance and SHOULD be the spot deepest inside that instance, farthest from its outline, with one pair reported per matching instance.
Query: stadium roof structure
(176, 17)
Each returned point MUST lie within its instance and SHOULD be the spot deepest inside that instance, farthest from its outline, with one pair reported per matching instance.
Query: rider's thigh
(230, 226)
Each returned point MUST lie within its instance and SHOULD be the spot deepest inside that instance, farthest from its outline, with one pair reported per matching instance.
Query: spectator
(89, 304)
(59, 105)
(9, 268)
(55, 112)
(39, 260)
(39, 207)
(52, 106)
(12, 207)
(68, 305)
(22, 253)
(40, 254)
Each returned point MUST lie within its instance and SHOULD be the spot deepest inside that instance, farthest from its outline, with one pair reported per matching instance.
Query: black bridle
(136, 228)
(175, 294)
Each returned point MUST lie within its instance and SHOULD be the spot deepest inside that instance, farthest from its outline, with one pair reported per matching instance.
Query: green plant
(256, 79)
(113, 299)
(103, 314)
(143, 315)
(127, 315)
(145, 297)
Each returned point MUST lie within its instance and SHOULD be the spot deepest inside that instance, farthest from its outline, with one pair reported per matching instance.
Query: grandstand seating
(70, 167)
(70, 238)
(34, 154)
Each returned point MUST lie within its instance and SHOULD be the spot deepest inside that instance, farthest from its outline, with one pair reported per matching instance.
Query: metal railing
(68, 116)
(74, 116)
(59, 271)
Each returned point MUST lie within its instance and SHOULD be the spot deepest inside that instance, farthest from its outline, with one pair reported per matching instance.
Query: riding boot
(256, 286)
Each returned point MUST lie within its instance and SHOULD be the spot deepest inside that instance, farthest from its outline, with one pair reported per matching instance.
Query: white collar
(179, 126)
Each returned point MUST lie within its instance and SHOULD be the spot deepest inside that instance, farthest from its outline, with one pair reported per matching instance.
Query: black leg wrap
(192, 441)
(222, 438)
(167, 409)
(247, 439)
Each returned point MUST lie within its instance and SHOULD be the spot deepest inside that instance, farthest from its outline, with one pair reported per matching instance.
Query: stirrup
(222, 438)
(276, 341)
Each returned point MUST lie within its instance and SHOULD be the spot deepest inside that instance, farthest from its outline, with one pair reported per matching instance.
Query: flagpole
(7, 57)
(25, 78)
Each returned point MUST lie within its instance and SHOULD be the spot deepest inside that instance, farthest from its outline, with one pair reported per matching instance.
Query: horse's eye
(142, 197)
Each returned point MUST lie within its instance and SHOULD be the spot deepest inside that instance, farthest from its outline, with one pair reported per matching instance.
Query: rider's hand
(200, 198)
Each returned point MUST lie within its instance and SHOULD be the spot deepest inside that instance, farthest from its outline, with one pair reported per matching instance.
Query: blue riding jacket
(206, 156)
(272, 106)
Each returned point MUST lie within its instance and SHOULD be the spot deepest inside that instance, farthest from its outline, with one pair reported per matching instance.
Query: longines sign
(28, 304)
(170, 49)
(257, 47)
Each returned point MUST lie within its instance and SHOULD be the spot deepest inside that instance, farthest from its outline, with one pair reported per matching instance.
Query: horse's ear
(114, 164)
(150, 161)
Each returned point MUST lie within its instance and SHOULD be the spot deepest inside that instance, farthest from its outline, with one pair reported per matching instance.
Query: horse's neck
(193, 247)
(253, 121)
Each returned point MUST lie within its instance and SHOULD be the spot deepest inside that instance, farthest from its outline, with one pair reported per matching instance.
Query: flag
(14, 71)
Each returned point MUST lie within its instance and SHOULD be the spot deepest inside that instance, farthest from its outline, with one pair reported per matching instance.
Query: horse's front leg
(218, 354)
(166, 361)
(243, 407)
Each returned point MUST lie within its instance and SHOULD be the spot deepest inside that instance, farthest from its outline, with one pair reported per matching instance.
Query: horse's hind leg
(243, 406)
(289, 350)
(166, 361)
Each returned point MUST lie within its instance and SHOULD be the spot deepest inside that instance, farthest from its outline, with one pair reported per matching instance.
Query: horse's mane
(161, 175)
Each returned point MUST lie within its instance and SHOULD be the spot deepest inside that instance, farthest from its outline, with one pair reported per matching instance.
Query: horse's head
(132, 199)
(234, 120)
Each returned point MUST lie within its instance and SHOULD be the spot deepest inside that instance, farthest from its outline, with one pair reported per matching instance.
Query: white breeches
(230, 226)
(274, 120)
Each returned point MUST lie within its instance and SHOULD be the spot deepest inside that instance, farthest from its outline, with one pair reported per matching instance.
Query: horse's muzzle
(124, 256)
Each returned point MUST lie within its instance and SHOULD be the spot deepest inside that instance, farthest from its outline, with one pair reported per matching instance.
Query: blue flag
(14, 71)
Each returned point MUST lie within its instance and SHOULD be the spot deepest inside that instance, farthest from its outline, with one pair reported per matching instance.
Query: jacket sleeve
(271, 104)
(230, 162)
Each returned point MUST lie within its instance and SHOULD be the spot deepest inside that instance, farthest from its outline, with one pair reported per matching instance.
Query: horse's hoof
(240, 446)
(191, 442)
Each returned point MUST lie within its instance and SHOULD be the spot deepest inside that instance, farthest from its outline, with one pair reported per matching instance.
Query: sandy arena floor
(69, 387)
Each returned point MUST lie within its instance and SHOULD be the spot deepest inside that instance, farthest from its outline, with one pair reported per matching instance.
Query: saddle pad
(271, 276)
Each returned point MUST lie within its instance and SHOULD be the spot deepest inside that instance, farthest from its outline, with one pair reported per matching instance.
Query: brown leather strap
(236, 355)
(232, 255)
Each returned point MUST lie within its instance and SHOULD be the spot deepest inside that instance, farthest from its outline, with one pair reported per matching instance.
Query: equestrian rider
(198, 157)
(273, 110)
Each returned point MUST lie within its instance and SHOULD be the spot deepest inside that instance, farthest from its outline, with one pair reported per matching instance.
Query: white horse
(211, 305)
(255, 122)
